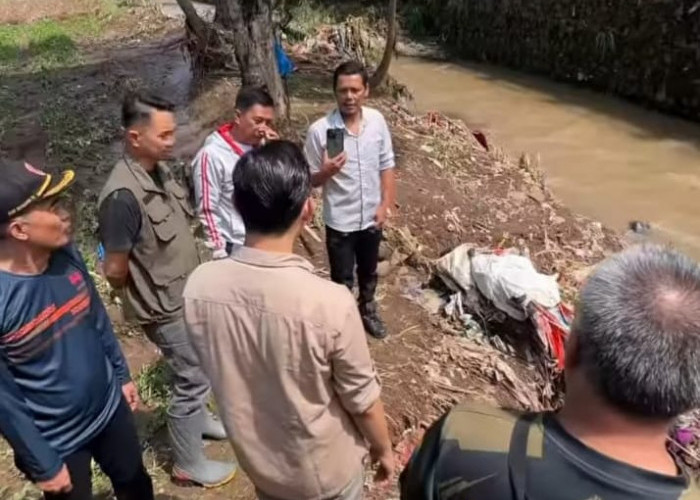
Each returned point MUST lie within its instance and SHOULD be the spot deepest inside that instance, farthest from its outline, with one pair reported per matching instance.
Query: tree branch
(194, 22)
(379, 76)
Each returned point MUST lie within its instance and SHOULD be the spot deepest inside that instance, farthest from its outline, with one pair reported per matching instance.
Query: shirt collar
(145, 179)
(336, 121)
(263, 258)
(225, 131)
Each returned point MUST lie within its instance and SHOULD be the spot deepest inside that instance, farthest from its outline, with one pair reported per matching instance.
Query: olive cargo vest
(165, 253)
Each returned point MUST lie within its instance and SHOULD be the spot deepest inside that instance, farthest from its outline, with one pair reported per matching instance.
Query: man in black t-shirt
(124, 210)
(633, 365)
(144, 219)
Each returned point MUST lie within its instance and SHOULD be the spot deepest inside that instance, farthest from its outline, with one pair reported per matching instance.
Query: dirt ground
(20, 11)
(451, 191)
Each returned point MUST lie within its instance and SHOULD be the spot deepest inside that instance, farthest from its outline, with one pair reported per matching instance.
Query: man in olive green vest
(149, 253)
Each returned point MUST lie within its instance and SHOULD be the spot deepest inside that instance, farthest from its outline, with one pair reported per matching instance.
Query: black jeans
(361, 248)
(118, 453)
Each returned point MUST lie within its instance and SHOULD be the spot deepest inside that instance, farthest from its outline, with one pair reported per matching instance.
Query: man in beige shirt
(285, 350)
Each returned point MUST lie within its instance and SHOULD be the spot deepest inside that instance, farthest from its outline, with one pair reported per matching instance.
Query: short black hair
(350, 68)
(250, 96)
(270, 186)
(137, 107)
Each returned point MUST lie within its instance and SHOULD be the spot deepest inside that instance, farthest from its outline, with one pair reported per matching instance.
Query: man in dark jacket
(65, 392)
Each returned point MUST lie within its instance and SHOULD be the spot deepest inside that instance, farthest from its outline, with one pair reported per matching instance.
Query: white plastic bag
(511, 282)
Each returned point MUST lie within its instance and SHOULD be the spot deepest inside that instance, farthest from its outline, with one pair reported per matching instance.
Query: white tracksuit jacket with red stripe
(212, 175)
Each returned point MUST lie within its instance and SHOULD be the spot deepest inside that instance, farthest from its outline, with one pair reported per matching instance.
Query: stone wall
(645, 50)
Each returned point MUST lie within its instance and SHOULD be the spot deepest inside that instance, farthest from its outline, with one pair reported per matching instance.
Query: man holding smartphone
(351, 156)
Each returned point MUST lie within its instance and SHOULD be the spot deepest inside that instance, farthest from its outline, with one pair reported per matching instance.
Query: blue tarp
(284, 64)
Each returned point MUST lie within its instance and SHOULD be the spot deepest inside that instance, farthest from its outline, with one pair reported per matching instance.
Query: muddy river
(604, 158)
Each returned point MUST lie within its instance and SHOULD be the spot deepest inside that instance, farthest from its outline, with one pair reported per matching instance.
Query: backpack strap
(517, 456)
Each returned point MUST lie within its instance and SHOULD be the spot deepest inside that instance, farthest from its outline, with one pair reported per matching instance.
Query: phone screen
(335, 142)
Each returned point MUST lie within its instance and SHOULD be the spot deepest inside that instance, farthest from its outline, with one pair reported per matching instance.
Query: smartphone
(335, 142)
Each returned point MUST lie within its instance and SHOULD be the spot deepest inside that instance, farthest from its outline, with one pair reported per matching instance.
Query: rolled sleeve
(354, 378)
(387, 159)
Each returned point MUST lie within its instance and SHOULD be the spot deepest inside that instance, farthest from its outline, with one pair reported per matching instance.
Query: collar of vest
(144, 178)
(225, 133)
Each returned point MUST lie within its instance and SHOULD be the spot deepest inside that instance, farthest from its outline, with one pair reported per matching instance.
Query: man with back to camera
(149, 253)
(285, 349)
(359, 187)
(632, 367)
(66, 395)
(212, 168)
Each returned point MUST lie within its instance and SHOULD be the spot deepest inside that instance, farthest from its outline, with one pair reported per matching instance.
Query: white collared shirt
(352, 196)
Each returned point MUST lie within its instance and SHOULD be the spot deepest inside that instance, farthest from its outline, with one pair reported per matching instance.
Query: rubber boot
(213, 428)
(190, 465)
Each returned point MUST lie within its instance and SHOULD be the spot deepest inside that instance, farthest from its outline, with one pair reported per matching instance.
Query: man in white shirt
(359, 187)
(212, 168)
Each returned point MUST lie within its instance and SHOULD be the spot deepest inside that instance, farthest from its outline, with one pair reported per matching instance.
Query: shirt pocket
(162, 219)
(181, 196)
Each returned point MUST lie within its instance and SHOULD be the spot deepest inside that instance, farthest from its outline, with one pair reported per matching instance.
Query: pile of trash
(684, 441)
(499, 297)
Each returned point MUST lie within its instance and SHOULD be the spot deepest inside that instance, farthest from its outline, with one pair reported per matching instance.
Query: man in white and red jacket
(212, 168)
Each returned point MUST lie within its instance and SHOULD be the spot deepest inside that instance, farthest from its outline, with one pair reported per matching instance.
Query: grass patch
(50, 43)
(25, 12)
(153, 383)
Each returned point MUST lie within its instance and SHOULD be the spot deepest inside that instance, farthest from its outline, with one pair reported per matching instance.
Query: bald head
(638, 331)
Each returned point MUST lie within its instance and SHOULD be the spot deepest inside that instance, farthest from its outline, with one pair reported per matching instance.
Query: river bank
(603, 157)
(451, 191)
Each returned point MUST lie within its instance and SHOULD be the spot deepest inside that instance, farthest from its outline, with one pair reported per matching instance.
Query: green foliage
(153, 383)
(414, 20)
(101, 485)
(306, 17)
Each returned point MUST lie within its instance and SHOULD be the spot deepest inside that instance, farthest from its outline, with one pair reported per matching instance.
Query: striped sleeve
(207, 174)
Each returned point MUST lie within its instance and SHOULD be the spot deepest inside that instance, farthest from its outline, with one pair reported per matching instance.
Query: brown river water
(605, 158)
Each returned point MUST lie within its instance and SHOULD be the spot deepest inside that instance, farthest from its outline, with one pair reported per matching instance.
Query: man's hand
(332, 166)
(131, 395)
(267, 135)
(382, 216)
(60, 483)
(385, 460)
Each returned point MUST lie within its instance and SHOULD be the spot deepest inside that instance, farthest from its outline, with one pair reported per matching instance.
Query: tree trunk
(250, 27)
(379, 76)
(194, 22)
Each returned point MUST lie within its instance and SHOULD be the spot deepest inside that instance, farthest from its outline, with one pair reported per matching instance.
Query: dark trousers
(361, 248)
(118, 453)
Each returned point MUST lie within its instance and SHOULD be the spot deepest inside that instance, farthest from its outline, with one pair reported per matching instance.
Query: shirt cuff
(50, 473)
(360, 400)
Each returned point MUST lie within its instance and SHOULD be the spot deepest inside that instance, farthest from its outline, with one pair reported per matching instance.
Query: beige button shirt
(288, 361)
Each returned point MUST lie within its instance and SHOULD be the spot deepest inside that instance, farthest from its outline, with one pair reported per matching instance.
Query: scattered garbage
(429, 299)
(506, 280)
(639, 227)
(684, 441)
